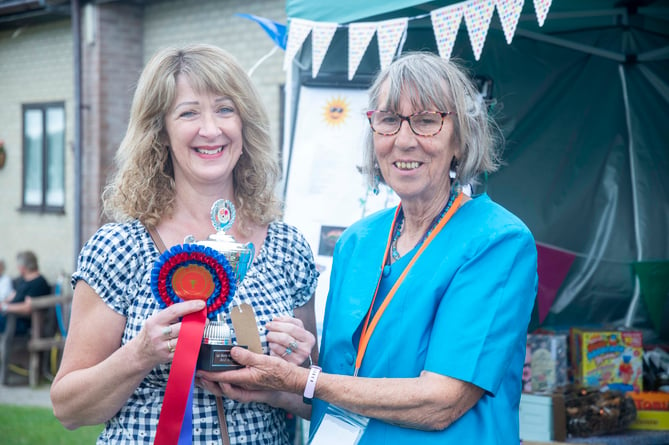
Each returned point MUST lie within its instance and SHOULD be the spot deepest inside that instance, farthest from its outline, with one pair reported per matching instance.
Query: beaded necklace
(399, 226)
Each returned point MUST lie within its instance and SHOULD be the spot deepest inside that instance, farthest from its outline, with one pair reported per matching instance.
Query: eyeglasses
(423, 123)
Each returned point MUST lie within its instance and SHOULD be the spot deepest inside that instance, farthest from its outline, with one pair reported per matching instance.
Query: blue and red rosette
(191, 271)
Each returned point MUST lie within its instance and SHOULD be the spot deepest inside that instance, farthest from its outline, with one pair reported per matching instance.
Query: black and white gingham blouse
(117, 261)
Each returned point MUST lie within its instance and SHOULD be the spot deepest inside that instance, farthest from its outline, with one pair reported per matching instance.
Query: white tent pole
(631, 310)
(288, 119)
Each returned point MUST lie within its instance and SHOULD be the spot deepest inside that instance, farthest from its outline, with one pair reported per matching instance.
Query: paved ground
(18, 392)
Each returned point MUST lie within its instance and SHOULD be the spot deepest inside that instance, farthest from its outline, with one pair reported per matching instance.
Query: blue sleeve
(484, 314)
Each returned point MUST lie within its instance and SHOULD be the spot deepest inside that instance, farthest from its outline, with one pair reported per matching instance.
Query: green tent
(583, 102)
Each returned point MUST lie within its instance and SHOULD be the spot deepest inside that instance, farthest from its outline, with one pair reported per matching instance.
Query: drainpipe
(76, 37)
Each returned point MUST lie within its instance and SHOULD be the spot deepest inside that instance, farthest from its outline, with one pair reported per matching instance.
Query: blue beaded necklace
(399, 225)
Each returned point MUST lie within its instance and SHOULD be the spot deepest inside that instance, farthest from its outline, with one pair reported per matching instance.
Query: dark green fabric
(654, 283)
(587, 139)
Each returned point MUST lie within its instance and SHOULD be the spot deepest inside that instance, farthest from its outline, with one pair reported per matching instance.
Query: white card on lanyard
(339, 427)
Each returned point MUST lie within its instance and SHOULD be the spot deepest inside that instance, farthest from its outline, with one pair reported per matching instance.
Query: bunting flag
(359, 36)
(275, 30)
(389, 33)
(446, 22)
(297, 33)
(477, 17)
(321, 36)
(654, 284)
(509, 13)
(541, 7)
(552, 267)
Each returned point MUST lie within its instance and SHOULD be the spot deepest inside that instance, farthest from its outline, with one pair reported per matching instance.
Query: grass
(22, 425)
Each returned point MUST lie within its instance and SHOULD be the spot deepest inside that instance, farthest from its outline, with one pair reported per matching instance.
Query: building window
(44, 157)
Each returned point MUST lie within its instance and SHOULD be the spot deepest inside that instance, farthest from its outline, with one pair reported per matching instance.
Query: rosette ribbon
(188, 272)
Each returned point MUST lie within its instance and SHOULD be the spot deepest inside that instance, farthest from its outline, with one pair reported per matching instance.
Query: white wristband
(311, 384)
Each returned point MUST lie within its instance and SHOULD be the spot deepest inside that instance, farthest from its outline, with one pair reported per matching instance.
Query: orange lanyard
(368, 328)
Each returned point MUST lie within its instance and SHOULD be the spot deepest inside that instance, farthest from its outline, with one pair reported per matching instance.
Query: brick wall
(35, 66)
(112, 61)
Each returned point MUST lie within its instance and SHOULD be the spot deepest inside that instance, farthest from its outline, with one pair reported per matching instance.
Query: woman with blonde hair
(198, 133)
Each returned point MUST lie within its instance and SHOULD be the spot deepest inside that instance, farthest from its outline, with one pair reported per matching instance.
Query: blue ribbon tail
(186, 434)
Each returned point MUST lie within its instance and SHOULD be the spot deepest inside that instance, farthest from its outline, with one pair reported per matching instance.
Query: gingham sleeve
(107, 263)
(300, 265)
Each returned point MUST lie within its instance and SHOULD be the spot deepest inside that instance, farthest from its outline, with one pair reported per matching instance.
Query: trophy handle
(245, 260)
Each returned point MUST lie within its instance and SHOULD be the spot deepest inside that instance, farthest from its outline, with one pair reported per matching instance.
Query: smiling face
(415, 167)
(204, 132)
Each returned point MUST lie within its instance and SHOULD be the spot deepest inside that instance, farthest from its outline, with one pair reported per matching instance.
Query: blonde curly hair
(142, 186)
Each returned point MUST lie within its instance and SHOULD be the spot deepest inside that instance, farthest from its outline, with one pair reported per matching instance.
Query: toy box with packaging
(545, 363)
(609, 359)
(652, 410)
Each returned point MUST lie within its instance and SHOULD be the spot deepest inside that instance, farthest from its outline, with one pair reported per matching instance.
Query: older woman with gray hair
(429, 302)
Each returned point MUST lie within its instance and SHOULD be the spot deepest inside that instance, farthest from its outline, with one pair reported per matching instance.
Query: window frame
(43, 206)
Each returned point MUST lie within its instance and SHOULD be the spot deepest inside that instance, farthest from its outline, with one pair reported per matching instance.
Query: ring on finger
(293, 345)
(167, 331)
(288, 352)
(170, 347)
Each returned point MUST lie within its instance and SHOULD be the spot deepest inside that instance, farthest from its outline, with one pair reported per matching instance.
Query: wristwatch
(308, 395)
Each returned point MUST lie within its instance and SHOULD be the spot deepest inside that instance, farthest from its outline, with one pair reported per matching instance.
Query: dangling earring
(377, 179)
(453, 171)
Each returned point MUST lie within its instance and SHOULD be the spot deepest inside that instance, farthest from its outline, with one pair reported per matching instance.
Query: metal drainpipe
(76, 37)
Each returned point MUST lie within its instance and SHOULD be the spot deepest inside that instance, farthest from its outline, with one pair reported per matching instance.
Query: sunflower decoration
(336, 111)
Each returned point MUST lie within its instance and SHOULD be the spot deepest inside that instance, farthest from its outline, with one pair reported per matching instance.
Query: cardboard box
(542, 418)
(652, 410)
(651, 420)
(607, 359)
(545, 363)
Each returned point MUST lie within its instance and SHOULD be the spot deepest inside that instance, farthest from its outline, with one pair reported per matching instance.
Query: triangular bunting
(553, 264)
(509, 13)
(541, 7)
(298, 31)
(321, 36)
(359, 36)
(477, 17)
(389, 33)
(445, 23)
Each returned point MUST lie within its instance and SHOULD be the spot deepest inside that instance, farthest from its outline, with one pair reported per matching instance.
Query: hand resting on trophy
(287, 338)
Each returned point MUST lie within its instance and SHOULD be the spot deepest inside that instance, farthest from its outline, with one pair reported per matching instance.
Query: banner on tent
(476, 14)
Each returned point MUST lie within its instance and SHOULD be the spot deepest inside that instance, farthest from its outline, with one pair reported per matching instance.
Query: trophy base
(217, 358)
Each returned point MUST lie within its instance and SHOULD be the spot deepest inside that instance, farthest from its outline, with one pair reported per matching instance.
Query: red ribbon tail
(180, 378)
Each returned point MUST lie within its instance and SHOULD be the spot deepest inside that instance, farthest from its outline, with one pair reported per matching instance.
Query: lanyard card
(339, 427)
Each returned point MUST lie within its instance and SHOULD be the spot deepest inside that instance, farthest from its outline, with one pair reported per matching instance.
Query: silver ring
(293, 346)
(169, 345)
(167, 331)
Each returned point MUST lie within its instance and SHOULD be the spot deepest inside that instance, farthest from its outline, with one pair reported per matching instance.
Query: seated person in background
(6, 287)
(32, 284)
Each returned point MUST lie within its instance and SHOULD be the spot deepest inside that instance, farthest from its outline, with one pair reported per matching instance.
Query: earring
(377, 179)
(453, 171)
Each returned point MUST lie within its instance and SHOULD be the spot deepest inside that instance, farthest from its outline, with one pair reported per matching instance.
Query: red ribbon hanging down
(180, 378)
(189, 272)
